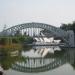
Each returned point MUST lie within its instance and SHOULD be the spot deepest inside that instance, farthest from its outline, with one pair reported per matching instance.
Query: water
(41, 60)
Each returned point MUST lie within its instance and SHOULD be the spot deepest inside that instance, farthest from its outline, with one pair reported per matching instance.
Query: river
(44, 60)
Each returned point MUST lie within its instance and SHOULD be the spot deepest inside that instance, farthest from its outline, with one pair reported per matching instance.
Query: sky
(53, 12)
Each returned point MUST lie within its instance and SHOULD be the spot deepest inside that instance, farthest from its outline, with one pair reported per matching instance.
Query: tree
(63, 26)
(69, 26)
(18, 33)
(3, 41)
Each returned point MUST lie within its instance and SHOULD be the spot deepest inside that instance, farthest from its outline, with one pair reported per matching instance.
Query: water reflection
(37, 63)
(9, 57)
(38, 59)
(41, 51)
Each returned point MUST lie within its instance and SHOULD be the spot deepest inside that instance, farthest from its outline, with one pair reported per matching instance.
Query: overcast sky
(54, 12)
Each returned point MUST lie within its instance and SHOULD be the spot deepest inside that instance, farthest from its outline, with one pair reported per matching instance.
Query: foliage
(3, 41)
(7, 61)
(69, 26)
(10, 44)
(18, 33)
(15, 40)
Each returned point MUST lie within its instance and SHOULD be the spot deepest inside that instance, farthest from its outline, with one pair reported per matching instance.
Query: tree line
(69, 26)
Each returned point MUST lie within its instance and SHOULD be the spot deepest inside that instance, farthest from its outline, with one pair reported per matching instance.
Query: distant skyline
(53, 12)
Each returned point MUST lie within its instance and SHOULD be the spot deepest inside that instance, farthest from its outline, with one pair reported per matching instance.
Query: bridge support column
(71, 38)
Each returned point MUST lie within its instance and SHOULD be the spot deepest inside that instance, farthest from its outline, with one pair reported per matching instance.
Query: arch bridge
(67, 36)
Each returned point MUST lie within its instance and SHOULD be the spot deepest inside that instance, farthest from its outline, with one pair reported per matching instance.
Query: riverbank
(11, 46)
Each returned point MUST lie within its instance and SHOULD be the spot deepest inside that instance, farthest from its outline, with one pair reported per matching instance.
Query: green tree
(18, 33)
(69, 26)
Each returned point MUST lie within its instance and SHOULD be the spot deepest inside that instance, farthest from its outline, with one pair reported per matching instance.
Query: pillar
(71, 38)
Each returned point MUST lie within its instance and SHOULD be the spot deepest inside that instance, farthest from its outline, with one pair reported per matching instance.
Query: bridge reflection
(44, 64)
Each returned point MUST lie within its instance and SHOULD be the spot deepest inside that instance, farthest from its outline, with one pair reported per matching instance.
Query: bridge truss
(67, 36)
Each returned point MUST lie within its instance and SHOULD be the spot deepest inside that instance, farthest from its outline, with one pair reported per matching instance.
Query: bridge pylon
(71, 38)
